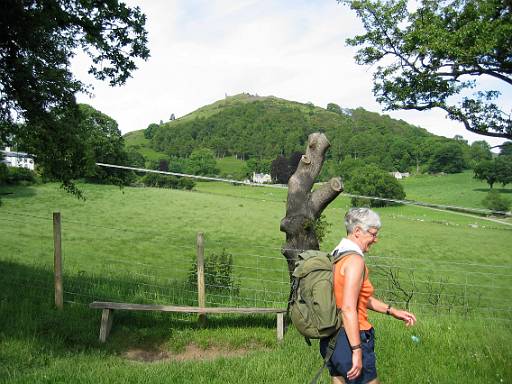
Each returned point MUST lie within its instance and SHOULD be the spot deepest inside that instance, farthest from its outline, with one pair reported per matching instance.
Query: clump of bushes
(17, 176)
(167, 181)
(494, 201)
(218, 274)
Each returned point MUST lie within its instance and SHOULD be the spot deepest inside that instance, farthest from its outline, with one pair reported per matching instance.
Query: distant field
(456, 189)
(137, 140)
(138, 245)
(229, 166)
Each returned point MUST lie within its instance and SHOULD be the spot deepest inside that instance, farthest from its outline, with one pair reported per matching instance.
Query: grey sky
(203, 50)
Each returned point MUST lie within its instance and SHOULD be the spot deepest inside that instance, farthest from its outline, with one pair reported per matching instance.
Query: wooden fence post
(201, 296)
(57, 260)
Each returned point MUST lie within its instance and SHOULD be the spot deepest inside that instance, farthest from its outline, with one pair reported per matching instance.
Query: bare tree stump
(304, 206)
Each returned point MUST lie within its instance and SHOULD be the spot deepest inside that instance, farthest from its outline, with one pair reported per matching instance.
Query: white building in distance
(17, 159)
(261, 178)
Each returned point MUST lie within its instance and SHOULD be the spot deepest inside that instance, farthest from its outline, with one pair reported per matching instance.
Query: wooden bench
(108, 308)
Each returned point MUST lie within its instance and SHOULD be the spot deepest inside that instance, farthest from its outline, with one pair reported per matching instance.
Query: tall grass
(138, 245)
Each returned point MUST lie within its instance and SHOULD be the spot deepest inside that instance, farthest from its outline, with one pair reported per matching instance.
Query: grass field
(138, 245)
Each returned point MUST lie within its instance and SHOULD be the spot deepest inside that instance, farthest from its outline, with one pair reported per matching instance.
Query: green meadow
(138, 245)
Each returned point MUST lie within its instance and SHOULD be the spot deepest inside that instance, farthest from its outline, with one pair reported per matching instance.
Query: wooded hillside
(254, 127)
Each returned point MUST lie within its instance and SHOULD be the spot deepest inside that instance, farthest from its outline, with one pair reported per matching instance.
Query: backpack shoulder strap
(337, 256)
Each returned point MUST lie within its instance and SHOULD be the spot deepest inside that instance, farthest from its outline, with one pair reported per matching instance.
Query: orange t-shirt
(364, 294)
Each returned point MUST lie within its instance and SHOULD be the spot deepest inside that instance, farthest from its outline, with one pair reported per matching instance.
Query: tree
(103, 143)
(504, 169)
(498, 170)
(303, 223)
(428, 56)
(280, 170)
(506, 149)
(149, 132)
(486, 170)
(202, 162)
(447, 158)
(293, 161)
(334, 108)
(370, 180)
(479, 151)
(38, 39)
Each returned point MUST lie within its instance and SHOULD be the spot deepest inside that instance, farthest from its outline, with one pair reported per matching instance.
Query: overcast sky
(204, 50)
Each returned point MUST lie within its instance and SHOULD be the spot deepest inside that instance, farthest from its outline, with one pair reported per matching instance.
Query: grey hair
(364, 218)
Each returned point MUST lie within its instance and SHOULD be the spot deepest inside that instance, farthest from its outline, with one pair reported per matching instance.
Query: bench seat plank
(182, 309)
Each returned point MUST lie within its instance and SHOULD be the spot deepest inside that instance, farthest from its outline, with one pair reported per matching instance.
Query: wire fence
(254, 275)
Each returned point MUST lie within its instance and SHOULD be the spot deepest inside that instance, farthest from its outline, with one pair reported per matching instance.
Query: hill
(256, 127)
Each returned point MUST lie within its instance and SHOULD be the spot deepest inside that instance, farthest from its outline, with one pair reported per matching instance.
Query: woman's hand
(408, 318)
(357, 364)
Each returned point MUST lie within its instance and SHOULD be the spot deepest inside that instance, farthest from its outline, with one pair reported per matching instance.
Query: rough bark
(304, 206)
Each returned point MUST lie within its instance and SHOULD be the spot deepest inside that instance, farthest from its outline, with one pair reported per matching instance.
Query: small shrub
(164, 181)
(494, 201)
(321, 227)
(218, 274)
(20, 176)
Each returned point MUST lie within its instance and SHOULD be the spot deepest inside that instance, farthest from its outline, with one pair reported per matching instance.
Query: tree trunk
(304, 206)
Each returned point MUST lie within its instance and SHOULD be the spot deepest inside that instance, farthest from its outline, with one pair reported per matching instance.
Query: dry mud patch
(192, 352)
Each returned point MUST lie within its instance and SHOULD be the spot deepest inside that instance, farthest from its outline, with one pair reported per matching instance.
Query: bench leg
(280, 326)
(106, 323)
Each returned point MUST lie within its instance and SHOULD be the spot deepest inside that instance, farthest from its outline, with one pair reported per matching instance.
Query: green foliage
(486, 170)
(448, 158)
(258, 166)
(506, 149)
(149, 132)
(496, 202)
(158, 180)
(429, 57)
(4, 173)
(497, 170)
(219, 275)
(479, 151)
(334, 108)
(17, 176)
(135, 159)
(370, 180)
(504, 169)
(202, 162)
(321, 227)
(38, 39)
(103, 143)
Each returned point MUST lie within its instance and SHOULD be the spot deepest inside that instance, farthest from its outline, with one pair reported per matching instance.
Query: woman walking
(353, 360)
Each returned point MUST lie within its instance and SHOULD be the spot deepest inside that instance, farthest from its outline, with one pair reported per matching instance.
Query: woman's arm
(378, 306)
(353, 271)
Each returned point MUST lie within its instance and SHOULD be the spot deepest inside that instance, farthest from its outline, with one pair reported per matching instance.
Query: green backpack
(312, 305)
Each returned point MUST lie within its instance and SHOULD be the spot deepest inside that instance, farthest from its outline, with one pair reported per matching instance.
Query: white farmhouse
(17, 159)
(261, 178)
(400, 175)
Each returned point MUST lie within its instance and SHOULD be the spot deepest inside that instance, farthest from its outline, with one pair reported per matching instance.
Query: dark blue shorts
(341, 360)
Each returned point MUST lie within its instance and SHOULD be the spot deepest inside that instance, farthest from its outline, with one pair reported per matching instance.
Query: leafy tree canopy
(37, 90)
(497, 170)
(447, 158)
(425, 57)
(370, 180)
